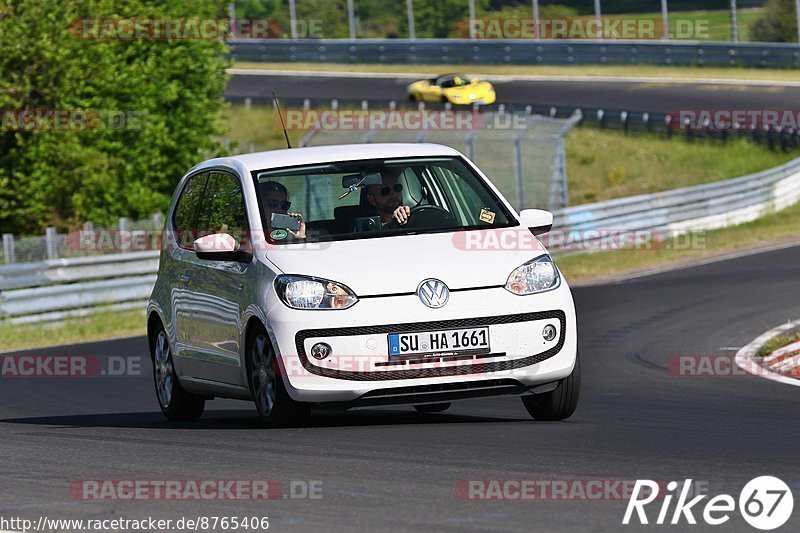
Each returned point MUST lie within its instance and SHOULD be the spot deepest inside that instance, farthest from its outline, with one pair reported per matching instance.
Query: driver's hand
(301, 233)
(401, 214)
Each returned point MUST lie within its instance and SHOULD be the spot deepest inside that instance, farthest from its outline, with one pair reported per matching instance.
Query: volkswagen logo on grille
(433, 293)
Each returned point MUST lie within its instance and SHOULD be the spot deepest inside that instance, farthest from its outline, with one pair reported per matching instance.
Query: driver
(387, 199)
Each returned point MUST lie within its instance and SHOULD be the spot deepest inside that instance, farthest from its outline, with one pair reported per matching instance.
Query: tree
(778, 24)
(154, 108)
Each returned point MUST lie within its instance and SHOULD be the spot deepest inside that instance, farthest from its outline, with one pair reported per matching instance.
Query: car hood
(396, 265)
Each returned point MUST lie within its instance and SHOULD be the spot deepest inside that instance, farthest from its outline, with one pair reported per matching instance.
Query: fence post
(8, 248)
(51, 242)
(471, 146)
(518, 173)
(412, 34)
(559, 192)
(124, 236)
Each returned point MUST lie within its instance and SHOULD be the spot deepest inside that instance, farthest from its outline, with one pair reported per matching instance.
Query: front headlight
(299, 292)
(537, 275)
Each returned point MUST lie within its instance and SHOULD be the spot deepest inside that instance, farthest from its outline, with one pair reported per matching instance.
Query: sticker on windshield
(279, 234)
(487, 216)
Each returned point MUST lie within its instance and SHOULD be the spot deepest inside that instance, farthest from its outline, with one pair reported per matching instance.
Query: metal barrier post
(518, 173)
(8, 248)
(51, 242)
(124, 229)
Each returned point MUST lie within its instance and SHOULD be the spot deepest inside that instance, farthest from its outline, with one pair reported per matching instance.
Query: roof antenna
(278, 107)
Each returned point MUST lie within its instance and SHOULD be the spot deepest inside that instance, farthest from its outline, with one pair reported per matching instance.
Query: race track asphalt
(391, 469)
(619, 95)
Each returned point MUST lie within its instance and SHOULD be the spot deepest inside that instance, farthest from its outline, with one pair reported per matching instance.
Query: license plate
(437, 342)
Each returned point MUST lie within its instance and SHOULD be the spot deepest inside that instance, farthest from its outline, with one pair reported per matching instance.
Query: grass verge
(603, 164)
(779, 227)
(705, 25)
(778, 342)
(99, 326)
(256, 126)
(622, 71)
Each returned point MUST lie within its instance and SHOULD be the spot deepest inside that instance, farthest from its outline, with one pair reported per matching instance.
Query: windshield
(454, 81)
(376, 198)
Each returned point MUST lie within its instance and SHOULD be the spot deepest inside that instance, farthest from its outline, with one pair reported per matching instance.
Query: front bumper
(360, 369)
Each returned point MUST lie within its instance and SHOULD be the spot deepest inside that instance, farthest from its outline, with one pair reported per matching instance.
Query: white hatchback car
(356, 275)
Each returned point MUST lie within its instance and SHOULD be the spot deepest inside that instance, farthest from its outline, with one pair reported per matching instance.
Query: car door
(178, 268)
(218, 287)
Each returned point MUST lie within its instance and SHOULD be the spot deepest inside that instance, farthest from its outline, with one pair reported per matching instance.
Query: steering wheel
(430, 216)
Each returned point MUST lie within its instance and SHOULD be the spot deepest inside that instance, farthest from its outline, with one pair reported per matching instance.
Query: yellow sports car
(454, 88)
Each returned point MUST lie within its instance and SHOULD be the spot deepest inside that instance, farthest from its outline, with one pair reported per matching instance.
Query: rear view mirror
(220, 247)
(361, 180)
(538, 220)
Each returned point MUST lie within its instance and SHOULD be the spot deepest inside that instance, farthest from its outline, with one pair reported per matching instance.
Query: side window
(223, 209)
(185, 214)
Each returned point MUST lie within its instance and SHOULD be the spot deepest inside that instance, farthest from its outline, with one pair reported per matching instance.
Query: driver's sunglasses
(398, 187)
(274, 204)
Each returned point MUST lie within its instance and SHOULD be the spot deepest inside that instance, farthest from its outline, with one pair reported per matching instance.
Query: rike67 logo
(765, 503)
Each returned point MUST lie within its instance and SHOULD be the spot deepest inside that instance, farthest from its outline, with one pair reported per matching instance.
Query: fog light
(549, 332)
(320, 351)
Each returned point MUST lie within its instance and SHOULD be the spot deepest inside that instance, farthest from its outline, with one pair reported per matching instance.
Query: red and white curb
(782, 365)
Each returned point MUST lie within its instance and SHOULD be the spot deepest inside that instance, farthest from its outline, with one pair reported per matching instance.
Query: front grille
(477, 368)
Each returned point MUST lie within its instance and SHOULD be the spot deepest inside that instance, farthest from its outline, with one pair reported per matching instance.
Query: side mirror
(220, 247)
(538, 220)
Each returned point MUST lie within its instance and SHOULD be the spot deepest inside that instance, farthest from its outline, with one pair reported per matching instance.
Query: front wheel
(560, 403)
(275, 406)
(175, 402)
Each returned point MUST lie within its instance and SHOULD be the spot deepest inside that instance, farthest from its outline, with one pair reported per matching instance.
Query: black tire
(412, 97)
(432, 407)
(274, 405)
(560, 403)
(175, 402)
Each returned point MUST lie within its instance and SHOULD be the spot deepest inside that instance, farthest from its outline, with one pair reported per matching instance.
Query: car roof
(327, 154)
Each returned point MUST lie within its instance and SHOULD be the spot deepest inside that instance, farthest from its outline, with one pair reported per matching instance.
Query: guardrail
(699, 207)
(517, 52)
(59, 289)
(63, 288)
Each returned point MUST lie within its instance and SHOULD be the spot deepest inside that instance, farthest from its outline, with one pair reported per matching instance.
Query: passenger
(276, 200)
